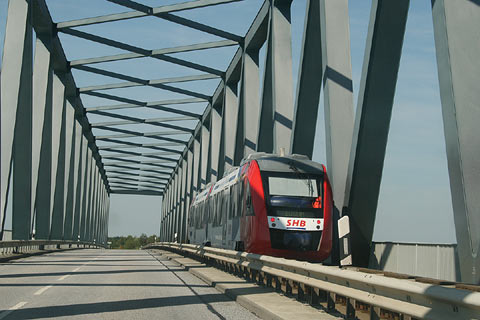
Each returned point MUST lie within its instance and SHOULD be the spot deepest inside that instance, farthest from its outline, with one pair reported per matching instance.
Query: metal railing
(25, 246)
(357, 293)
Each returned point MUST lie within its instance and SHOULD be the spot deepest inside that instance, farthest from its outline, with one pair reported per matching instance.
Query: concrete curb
(263, 302)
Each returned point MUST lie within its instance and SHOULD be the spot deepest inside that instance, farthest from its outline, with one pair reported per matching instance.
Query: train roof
(297, 163)
(230, 179)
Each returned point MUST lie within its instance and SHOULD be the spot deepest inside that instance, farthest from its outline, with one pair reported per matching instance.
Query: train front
(298, 203)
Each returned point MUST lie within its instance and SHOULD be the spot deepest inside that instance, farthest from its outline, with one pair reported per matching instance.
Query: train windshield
(294, 195)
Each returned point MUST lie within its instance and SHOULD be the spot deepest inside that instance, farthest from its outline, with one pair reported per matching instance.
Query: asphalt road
(108, 284)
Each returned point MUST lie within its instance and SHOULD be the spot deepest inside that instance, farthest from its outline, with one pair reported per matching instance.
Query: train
(270, 205)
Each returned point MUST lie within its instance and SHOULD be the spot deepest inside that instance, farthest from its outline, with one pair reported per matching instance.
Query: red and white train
(273, 205)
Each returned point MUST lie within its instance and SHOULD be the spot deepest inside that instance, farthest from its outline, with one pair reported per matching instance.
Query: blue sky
(414, 203)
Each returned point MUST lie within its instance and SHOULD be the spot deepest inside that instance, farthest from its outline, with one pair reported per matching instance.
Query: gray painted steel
(457, 42)
(372, 121)
(338, 92)
(22, 146)
(15, 74)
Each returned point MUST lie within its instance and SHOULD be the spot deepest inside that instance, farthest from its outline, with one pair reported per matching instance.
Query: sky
(414, 202)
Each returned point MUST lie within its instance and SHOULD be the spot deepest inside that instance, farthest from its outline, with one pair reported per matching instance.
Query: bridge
(151, 117)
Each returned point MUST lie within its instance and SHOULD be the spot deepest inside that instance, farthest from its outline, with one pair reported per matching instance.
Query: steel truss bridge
(58, 169)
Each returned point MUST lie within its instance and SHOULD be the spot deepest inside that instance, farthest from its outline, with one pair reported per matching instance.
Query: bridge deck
(108, 284)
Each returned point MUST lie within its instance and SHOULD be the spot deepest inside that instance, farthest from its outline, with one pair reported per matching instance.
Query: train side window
(248, 201)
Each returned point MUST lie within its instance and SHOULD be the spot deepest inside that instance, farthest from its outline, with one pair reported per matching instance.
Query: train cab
(273, 205)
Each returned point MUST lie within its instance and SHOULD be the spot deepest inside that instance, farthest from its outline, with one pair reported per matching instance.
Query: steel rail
(408, 297)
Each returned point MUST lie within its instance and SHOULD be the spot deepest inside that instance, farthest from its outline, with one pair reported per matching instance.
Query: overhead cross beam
(129, 133)
(132, 174)
(128, 154)
(144, 52)
(153, 122)
(140, 82)
(146, 169)
(121, 144)
(157, 105)
(179, 49)
(163, 12)
(152, 83)
(146, 121)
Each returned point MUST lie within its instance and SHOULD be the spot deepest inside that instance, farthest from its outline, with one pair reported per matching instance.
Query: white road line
(15, 307)
(76, 269)
(40, 291)
(63, 277)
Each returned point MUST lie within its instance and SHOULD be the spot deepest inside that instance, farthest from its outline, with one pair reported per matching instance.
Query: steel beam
(121, 144)
(128, 154)
(142, 82)
(127, 56)
(188, 192)
(338, 93)
(58, 154)
(196, 166)
(233, 120)
(130, 84)
(16, 77)
(86, 189)
(135, 192)
(42, 128)
(205, 146)
(43, 25)
(276, 116)
(81, 141)
(217, 151)
(162, 12)
(153, 122)
(71, 184)
(457, 43)
(150, 105)
(129, 133)
(146, 121)
(249, 99)
(372, 121)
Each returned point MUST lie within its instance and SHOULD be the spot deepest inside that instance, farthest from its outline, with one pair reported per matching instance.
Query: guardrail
(357, 293)
(23, 246)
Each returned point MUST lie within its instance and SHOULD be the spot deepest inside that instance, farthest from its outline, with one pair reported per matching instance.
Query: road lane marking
(42, 290)
(75, 270)
(15, 307)
(63, 277)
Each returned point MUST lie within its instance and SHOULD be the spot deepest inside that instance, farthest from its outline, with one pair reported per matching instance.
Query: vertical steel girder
(70, 183)
(249, 100)
(276, 115)
(85, 193)
(205, 158)
(58, 158)
(15, 100)
(231, 123)
(183, 202)
(80, 174)
(188, 193)
(338, 92)
(457, 43)
(372, 121)
(326, 35)
(217, 140)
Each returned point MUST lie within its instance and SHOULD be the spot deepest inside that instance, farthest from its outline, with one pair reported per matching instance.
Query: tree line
(131, 242)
